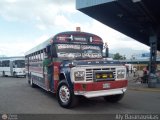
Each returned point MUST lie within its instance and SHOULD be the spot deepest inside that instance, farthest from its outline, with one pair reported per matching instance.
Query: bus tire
(113, 98)
(32, 84)
(3, 74)
(28, 77)
(14, 75)
(28, 82)
(65, 95)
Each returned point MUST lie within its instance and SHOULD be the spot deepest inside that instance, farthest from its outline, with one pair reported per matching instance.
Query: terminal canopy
(138, 19)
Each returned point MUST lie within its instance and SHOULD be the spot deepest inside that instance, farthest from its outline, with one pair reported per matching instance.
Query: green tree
(117, 56)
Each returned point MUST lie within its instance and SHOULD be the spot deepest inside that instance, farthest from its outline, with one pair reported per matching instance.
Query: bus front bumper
(99, 93)
(20, 74)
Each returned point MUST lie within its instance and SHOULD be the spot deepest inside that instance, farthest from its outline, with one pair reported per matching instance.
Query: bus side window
(5, 63)
(33, 57)
(2, 64)
(29, 58)
(13, 64)
(41, 52)
(38, 58)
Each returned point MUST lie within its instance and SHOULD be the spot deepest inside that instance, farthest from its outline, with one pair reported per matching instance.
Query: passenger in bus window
(47, 63)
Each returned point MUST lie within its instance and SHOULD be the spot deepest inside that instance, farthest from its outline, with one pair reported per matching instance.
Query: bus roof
(75, 33)
(39, 47)
(77, 37)
(65, 37)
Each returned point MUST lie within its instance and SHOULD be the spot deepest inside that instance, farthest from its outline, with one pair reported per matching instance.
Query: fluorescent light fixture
(134, 1)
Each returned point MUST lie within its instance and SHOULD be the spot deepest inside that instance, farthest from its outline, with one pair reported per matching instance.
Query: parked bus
(78, 69)
(12, 66)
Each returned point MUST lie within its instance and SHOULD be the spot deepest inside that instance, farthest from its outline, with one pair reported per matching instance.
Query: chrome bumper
(20, 74)
(90, 94)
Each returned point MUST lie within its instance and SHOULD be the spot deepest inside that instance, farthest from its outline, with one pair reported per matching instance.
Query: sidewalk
(138, 86)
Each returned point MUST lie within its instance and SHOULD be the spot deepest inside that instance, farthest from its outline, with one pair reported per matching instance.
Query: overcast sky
(26, 23)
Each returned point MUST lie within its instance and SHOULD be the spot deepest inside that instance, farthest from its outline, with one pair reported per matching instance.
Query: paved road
(16, 96)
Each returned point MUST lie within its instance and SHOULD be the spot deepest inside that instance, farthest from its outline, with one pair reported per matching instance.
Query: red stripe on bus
(56, 85)
(95, 86)
(56, 67)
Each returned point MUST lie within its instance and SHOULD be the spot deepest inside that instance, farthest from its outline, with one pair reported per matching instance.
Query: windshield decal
(84, 47)
(71, 51)
(64, 46)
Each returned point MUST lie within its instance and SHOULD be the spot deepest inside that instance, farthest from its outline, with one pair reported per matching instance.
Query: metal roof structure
(134, 18)
(13, 58)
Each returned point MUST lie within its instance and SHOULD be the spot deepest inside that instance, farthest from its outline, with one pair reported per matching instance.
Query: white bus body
(12, 66)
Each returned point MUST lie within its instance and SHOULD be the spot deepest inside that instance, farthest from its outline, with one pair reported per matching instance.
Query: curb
(145, 89)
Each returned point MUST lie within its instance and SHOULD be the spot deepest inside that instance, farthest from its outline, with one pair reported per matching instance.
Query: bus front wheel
(65, 95)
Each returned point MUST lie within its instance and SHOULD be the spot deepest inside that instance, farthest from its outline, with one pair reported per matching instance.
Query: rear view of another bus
(12, 66)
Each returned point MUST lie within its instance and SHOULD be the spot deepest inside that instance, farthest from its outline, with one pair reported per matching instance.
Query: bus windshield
(19, 64)
(72, 51)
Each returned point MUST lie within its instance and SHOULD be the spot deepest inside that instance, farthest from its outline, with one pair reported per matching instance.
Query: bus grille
(90, 72)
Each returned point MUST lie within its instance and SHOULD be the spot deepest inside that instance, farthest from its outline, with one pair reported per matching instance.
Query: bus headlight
(120, 74)
(79, 75)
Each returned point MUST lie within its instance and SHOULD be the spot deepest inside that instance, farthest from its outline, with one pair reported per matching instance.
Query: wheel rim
(31, 82)
(64, 94)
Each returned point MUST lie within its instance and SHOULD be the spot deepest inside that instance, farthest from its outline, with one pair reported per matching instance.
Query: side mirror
(106, 50)
(47, 49)
(54, 54)
(105, 53)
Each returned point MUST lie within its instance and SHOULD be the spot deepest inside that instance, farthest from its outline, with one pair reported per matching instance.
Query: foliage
(117, 56)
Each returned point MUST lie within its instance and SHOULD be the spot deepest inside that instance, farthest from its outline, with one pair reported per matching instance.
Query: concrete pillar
(152, 67)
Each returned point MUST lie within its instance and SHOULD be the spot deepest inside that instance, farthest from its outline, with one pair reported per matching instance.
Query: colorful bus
(78, 69)
(12, 66)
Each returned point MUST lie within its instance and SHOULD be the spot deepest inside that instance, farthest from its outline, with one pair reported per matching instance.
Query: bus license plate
(106, 85)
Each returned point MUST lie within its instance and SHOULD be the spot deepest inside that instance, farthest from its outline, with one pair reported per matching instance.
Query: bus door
(11, 67)
(54, 68)
(48, 71)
